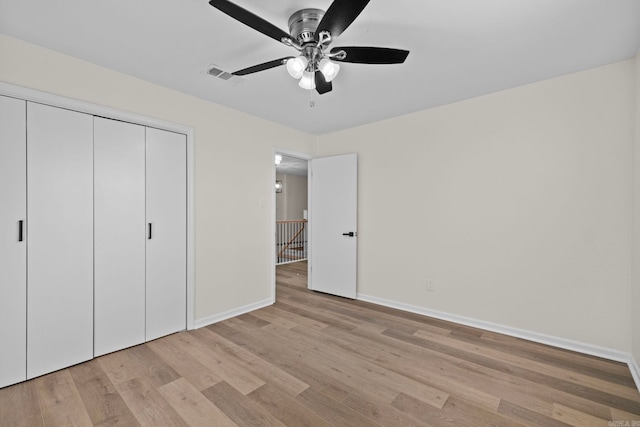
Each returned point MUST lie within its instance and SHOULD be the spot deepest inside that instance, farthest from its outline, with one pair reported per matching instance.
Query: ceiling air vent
(216, 71)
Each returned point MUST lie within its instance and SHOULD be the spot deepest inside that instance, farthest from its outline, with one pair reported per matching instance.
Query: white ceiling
(459, 49)
(292, 166)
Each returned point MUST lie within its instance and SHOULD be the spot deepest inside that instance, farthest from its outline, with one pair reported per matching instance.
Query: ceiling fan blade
(322, 86)
(262, 67)
(250, 19)
(371, 55)
(340, 15)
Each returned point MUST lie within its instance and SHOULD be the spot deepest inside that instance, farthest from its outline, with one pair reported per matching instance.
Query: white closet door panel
(119, 185)
(166, 249)
(13, 248)
(60, 226)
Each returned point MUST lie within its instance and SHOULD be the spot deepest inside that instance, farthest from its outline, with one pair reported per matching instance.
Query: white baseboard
(593, 350)
(635, 371)
(206, 321)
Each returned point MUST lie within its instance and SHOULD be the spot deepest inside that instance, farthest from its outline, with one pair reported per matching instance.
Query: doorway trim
(289, 153)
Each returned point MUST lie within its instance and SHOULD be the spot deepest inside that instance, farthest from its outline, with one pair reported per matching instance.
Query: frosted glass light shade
(329, 69)
(308, 81)
(296, 66)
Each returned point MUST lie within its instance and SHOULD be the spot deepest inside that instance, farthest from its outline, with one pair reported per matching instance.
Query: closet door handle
(150, 231)
(20, 230)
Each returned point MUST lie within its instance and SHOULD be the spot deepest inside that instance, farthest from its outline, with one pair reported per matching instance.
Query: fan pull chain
(312, 102)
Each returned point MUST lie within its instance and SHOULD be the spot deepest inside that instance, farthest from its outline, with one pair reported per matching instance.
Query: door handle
(150, 233)
(350, 234)
(20, 231)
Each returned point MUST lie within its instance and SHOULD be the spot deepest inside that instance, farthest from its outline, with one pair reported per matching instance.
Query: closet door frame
(33, 95)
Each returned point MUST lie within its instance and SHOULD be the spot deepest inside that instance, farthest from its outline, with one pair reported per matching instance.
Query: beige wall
(232, 222)
(291, 203)
(516, 204)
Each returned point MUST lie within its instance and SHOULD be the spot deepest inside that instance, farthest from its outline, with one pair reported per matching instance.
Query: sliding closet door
(166, 233)
(13, 245)
(60, 228)
(119, 163)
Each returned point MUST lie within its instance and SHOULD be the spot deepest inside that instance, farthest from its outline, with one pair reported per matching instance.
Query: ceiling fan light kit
(308, 80)
(330, 69)
(302, 26)
(311, 31)
(296, 66)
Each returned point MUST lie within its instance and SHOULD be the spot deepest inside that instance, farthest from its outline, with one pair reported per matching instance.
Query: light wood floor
(316, 360)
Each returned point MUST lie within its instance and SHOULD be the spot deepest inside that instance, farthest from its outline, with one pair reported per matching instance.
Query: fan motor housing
(303, 24)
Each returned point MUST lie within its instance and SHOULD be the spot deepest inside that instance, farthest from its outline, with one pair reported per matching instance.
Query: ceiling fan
(311, 31)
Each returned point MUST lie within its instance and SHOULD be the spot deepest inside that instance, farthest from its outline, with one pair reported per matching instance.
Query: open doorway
(291, 248)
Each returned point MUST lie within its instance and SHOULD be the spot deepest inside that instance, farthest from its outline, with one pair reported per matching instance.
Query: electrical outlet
(431, 286)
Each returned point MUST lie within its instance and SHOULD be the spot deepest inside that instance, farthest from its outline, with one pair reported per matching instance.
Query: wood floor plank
(151, 366)
(526, 416)
(624, 417)
(315, 359)
(268, 372)
(147, 405)
(119, 366)
(541, 368)
(296, 318)
(568, 359)
(455, 412)
(362, 368)
(240, 408)
(536, 396)
(334, 412)
(381, 412)
(278, 354)
(585, 392)
(253, 320)
(215, 358)
(195, 409)
(413, 363)
(338, 367)
(577, 418)
(319, 315)
(60, 401)
(286, 409)
(101, 399)
(421, 411)
(138, 361)
(19, 405)
(331, 370)
(271, 317)
(364, 315)
(411, 367)
(469, 415)
(171, 351)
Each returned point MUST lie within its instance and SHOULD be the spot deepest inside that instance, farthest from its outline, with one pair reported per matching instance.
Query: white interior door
(119, 203)
(13, 244)
(166, 233)
(333, 222)
(60, 232)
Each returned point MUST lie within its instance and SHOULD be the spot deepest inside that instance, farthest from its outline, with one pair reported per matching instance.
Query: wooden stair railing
(293, 230)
